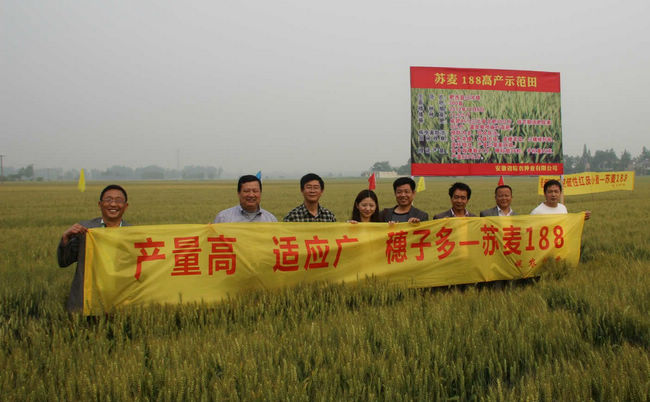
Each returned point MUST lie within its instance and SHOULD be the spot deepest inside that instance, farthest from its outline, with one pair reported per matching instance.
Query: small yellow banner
(591, 182)
(137, 265)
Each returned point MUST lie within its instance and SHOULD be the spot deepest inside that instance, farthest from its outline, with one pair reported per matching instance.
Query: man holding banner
(551, 204)
(459, 194)
(171, 264)
(312, 187)
(503, 197)
(72, 247)
(249, 190)
(404, 211)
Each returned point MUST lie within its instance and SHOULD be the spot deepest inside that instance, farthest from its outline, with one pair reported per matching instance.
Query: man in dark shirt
(404, 211)
(72, 247)
(459, 195)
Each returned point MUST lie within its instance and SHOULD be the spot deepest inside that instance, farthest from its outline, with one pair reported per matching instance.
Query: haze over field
(293, 86)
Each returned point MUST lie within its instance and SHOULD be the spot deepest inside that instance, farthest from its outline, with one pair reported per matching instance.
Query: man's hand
(414, 220)
(587, 215)
(72, 231)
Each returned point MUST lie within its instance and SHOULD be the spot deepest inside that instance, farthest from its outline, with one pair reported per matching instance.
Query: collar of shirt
(500, 212)
(246, 213)
(454, 215)
(104, 225)
(319, 211)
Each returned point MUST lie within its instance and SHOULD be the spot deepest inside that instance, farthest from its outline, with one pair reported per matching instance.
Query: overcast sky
(294, 85)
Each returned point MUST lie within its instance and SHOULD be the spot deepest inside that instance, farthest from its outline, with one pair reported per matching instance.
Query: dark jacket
(448, 214)
(75, 251)
(493, 212)
(387, 213)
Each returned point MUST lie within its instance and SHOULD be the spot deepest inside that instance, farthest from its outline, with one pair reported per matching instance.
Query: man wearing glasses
(72, 247)
(312, 187)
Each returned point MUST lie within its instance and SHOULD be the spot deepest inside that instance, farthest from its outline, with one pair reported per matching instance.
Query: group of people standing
(113, 202)
(366, 205)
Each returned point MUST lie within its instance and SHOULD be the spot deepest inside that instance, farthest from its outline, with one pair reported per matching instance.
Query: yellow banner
(591, 182)
(137, 265)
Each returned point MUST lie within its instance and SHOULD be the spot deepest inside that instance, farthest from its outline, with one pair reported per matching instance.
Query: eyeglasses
(109, 200)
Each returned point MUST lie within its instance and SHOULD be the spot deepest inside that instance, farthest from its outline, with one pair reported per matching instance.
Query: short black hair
(114, 187)
(552, 182)
(247, 178)
(502, 186)
(462, 187)
(311, 177)
(402, 181)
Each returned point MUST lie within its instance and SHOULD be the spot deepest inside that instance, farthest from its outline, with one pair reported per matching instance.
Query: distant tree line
(600, 161)
(157, 173)
(115, 173)
(23, 173)
(604, 161)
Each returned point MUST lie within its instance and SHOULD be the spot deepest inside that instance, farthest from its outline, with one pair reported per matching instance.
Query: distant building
(386, 175)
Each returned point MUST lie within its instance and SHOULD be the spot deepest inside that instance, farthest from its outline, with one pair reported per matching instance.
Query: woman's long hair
(356, 215)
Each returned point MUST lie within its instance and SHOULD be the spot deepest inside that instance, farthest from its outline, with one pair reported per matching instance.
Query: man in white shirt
(551, 204)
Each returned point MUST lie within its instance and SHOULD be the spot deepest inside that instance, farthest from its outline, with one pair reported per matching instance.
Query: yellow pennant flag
(81, 185)
(421, 186)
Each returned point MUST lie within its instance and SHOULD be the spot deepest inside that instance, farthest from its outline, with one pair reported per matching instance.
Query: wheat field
(572, 334)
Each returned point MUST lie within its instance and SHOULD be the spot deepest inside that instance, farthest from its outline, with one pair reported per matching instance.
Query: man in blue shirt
(249, 189)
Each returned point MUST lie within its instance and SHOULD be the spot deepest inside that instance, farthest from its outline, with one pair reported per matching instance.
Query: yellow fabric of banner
(137, 265)
(591, 182)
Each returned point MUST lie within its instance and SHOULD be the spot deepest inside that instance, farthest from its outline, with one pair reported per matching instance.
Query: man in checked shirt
(312, 187)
